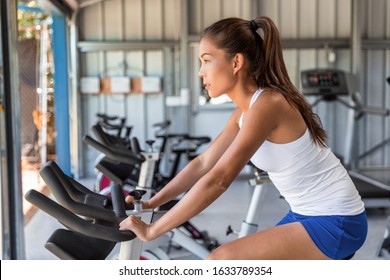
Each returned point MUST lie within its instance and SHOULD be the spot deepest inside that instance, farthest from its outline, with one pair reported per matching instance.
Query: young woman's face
(216, 70)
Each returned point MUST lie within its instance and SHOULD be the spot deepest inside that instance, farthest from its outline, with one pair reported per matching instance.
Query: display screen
(323, 79)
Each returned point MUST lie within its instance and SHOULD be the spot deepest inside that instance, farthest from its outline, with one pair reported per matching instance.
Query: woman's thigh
(283, 242)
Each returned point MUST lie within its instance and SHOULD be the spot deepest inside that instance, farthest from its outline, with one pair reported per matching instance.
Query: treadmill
(334, 85)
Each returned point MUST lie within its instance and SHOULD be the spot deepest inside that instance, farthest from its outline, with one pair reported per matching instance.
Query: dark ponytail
(267, 66)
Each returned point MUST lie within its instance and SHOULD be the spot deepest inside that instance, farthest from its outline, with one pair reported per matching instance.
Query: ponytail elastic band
(254, 25)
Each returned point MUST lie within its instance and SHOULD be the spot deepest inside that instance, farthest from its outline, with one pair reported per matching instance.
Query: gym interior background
(150, 48)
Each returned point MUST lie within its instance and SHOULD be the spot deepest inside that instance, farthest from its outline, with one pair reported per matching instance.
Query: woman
(274, 128)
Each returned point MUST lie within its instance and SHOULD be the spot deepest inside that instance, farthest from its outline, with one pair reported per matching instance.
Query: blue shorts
(336, 236)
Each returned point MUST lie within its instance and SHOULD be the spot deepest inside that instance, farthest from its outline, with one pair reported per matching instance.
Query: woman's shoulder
(272, 98)
(236, 115)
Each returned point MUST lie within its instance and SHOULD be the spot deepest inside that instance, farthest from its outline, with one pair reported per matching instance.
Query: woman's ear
(238, 62)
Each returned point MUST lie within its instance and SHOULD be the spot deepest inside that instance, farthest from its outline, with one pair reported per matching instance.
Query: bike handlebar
(135, 145)
(118, 202)
(121, 155)
(61, 189)
(110, 139)
(106, 118)
(111, 126)
(76, 223)
(77, 191)
(163, 124)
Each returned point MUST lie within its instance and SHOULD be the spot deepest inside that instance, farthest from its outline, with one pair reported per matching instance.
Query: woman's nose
(201, 72)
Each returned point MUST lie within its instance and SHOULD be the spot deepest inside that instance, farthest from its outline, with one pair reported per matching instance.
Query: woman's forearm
(181, 183)
(199, 197)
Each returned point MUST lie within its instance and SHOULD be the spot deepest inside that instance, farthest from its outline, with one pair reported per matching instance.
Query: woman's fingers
(136, 225)
(129, 199)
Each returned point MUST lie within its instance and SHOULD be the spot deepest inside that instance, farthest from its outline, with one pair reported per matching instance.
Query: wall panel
(327, 18)
(133, 22)
(171, 15)
(113, 20)
(387, 101)
(307, 18)
(135, 63)
(231, 8)
(374, 129)
(153, 20)
(211, 12)
(90, 23)
(343, 13)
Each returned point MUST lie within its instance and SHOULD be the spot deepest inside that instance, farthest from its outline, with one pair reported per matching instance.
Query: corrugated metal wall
(124, 23)
(375, 68)
(131, 21)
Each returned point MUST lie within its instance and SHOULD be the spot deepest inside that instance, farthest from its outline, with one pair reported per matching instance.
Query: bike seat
(70, 245)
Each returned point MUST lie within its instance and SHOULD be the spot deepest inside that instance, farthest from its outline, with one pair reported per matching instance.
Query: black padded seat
(70, 245)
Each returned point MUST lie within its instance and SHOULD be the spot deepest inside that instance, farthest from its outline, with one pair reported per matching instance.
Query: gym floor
(229, 209)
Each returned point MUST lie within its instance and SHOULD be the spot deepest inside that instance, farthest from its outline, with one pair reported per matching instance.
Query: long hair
(259, 41)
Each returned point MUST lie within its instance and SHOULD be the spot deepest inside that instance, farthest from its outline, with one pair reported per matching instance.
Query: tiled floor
(229, 209)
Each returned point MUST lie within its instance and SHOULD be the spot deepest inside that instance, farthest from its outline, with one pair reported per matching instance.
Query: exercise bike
(261, 183)
(126, 175)
(96, 234)
(109, 131)
(187, 235)
(91, 220)
(116, 126)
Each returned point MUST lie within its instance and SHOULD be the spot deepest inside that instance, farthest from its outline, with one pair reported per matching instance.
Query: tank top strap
(255, 96)
(253, 99)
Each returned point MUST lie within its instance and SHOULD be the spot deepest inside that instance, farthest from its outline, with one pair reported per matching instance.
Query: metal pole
(43, 91)
(356, 41)
(12, 228)
(356, 47)
(75, 128)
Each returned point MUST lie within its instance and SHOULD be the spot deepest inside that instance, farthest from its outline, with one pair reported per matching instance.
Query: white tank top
(308, 176)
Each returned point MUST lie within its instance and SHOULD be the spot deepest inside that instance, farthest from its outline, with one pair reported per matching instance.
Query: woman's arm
(237, 147)
(199, 166)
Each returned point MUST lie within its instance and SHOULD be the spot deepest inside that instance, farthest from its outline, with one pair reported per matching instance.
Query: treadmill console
(326, 82)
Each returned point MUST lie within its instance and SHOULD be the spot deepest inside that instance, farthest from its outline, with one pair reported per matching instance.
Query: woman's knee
(219, 253)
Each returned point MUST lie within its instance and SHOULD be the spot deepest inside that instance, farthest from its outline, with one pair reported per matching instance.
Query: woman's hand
(145, 204)
(136, 225)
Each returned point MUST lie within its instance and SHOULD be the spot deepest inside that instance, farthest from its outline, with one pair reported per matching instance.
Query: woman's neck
(242, 94)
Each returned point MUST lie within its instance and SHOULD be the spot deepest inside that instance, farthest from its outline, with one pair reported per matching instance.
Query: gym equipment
(180, 145)
(110, 123)
(91, 219)
(332, 85)
(111, 132)
(187, 235)
(86, 238)
(126, 175)
(384, 247)
(261, 184)
(112, 171)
